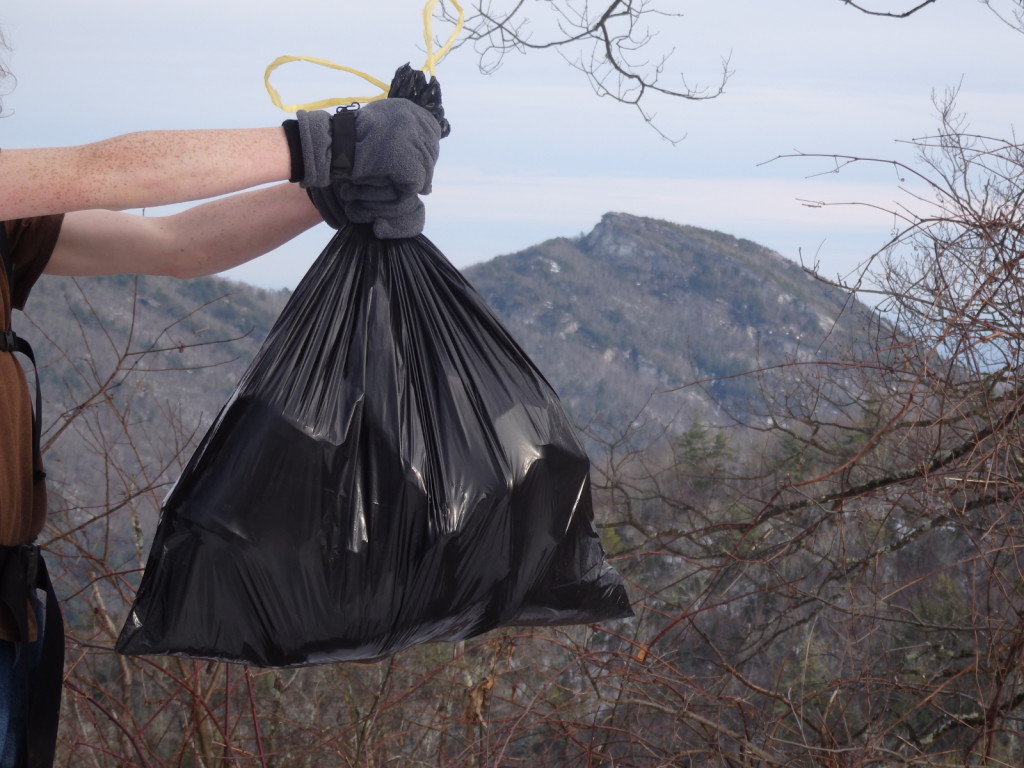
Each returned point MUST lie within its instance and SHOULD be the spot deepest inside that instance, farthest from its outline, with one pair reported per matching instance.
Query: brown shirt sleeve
(32, 242)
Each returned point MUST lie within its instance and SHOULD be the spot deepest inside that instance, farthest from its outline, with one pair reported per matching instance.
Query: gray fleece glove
(395, 144)
(391, 219)
(315, 138)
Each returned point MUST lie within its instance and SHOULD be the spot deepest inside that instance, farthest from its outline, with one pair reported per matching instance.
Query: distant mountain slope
(633, 308)
(165, 355)
(207, 330)
(640, 306)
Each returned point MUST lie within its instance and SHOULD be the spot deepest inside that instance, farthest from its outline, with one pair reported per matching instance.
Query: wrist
(314, 129)
(291, 134)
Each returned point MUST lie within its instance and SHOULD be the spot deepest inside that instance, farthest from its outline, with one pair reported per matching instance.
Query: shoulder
(30, 243)
(37, 233)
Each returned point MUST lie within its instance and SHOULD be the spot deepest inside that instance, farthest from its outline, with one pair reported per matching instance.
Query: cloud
(533, 153)
(463, 194)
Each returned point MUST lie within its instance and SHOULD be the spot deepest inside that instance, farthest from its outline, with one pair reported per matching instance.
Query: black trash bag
(391, 470)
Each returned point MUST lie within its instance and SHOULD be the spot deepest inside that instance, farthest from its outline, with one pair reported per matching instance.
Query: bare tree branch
(890, 14)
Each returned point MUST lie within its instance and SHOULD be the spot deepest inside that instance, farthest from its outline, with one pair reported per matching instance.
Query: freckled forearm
(139, 170)
(230, 231)
(205, 239)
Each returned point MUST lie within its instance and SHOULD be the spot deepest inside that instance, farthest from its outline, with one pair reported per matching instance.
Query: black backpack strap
(21, 570)
(48, 681)
(11, 342)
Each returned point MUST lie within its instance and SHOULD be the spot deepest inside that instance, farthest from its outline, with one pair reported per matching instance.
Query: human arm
(202, 240)
(91, 183)
(140, 170)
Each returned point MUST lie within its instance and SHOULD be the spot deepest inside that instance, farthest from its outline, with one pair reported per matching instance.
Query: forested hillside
(816, 515)
(644, 319)
(639, 320)
(133, 369)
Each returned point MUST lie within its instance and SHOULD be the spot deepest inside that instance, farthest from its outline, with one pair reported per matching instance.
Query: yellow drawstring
(433, 59)
(429, 66)
(322, 103)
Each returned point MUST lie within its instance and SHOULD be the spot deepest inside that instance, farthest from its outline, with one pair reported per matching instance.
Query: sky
(534, 154)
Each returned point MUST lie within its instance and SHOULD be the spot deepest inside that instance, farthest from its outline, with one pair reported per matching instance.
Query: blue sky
(534, 154)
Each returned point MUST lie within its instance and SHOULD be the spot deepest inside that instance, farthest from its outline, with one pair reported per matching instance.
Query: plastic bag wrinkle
(391, 470)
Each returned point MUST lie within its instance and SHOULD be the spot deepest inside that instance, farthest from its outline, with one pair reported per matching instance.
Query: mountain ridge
(657, 307)
(638, 321)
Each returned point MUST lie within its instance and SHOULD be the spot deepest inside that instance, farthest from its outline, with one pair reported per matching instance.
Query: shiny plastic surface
(391, 470)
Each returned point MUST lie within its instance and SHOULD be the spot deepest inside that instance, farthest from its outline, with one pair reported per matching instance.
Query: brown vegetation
(840, 591)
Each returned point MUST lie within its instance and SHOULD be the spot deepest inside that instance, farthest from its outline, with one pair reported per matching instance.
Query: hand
(397, 144)
(371, 171)
(391, 218)
(394, 143)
